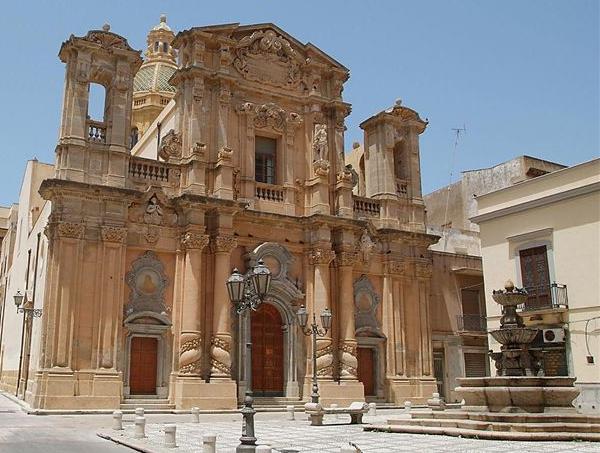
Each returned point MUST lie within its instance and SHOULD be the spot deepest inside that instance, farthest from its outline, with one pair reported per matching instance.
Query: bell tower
(392, 166)
(106, 59)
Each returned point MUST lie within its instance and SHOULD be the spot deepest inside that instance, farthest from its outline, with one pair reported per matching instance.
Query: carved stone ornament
(71, 230)
(194, 240)
(225, 154)
(170, 146)
(270, 115)
(345, 176)
(321, 168)
(220, 356)
(152, 234)
(107, 40)
(396, 267)
(347, 358)
(153, 209)
(264, 56)
(154, 212)
(346, 258)
(147, 282)
(324, 357)
(321, 256)
(198, 149)
(190, 353)
(366, 301)
(224, 244)
(113, 234)
(423, 270)
(366, 246)
(319, 145)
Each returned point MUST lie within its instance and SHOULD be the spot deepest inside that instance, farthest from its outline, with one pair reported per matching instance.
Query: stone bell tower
(392, 166)
(104, 58)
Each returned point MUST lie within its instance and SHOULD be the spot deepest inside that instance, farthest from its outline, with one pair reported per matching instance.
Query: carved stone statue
(366, 246)
(154, 212)
(320, 148)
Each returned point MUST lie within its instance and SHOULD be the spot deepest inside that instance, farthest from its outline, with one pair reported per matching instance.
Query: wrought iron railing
(471, 323)
(546, 297)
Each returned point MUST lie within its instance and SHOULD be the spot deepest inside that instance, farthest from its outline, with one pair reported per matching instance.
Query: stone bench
(316, 412)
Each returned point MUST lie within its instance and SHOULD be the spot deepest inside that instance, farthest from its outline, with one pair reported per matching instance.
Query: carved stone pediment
(270, 115)
(107, 39)
(266, 57)
(366, 301)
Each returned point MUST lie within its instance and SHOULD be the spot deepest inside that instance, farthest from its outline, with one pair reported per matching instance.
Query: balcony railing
(471, 323)
(96, 131)
(270, 192)
(148, 169)
(401, 187)
(366, 207)
(546, 297)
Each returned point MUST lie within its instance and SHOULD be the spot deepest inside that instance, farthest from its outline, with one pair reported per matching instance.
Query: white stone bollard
(335, 406)
(140, 428)
(407, 407)
(209, 443)
(196, 414)
(263, 449)
(139, 411)
(290, 412)
(372, 409)
(117, 424)
(170, 435)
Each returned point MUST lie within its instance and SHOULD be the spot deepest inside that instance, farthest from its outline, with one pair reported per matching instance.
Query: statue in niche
(320, 148)
(154, 212)
(366, 246)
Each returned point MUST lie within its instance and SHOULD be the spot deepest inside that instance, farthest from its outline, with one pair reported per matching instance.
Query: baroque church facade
(224, 147)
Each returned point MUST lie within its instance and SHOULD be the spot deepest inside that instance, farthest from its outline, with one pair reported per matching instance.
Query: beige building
(126, 242)
(544, 234)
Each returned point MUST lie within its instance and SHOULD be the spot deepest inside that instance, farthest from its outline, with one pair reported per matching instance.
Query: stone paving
(298, 435)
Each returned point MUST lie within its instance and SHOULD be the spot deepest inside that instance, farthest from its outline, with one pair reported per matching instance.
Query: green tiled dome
(154, 77)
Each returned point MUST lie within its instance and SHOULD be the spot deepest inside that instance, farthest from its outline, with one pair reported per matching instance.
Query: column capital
(321, 255)
(223, 244)
(70, 230)
(395, 267)
(113, 234)
(194, 240)
(346, 258)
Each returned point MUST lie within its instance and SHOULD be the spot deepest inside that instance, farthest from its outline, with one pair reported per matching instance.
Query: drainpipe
(30, 317)
(157, 139)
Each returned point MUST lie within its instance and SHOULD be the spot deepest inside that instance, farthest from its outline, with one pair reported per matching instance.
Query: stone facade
(138, 242)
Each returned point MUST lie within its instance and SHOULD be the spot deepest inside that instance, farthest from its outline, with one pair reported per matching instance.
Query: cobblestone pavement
(299, 436)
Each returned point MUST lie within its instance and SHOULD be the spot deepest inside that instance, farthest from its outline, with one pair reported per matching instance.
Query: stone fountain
(517, 404)
(518, 385)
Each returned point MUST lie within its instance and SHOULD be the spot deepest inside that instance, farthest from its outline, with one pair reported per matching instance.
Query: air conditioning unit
(554, 335)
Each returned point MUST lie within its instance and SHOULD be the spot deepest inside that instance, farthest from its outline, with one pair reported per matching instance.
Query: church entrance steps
(499, 426)
(149, 403)
(271, 403)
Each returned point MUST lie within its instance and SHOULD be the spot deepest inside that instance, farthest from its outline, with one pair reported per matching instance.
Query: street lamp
(248, 292)
(21, 302)
(314, 330)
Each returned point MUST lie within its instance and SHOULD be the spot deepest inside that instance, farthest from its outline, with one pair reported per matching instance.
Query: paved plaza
(22, 433)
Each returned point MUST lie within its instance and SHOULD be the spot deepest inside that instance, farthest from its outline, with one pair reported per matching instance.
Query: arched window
(134, 137)
(96, 113)
(156, 44)
(165, 47)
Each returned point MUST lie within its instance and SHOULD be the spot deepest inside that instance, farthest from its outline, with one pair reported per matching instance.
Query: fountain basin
(514, 335)
(533, 394)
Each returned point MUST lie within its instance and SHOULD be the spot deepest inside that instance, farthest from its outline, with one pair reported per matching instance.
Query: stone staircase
(152, 404)
(498, 426)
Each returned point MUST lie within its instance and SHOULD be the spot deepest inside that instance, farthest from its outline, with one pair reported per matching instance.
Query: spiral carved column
(190, 340)
(348, 361)
(320, 259)
(220, 347)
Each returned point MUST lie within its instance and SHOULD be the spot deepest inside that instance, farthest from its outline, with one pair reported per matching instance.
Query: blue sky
(523, 76)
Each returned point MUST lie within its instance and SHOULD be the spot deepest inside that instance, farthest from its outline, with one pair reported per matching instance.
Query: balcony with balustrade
(472, 324)
(551, 297)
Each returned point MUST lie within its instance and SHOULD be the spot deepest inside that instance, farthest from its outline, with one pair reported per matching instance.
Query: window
(156, 44)
(399, 162)
(265, 160)
(535, 276)
(165, 47)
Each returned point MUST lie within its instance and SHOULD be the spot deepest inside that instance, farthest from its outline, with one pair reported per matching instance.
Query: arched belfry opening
(272, 328)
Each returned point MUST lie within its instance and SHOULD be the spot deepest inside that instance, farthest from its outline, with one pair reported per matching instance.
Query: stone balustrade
(148, 169)
(269, 192)
(366, 207)
(96, 131)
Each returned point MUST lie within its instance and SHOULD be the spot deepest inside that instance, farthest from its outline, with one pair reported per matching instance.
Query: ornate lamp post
(248, 292)
(22, 305)
(314, 330)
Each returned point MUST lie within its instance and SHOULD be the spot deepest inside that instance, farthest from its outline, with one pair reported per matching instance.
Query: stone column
(320, 257)
(347, 342)
(190, 339)
(220, 348)
(113, 249)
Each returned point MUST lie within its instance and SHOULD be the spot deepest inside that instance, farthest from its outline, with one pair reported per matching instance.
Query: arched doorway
(267, 351)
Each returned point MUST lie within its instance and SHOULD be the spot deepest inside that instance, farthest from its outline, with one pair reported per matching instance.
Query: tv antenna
(458, 131)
